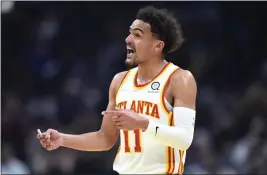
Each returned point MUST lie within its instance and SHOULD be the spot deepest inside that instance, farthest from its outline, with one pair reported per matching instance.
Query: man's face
(141, 43)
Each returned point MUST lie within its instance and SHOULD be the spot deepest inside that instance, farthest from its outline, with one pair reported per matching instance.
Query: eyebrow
(136, 28)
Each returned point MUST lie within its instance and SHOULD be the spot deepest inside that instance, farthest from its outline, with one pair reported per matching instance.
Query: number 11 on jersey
(137, 141)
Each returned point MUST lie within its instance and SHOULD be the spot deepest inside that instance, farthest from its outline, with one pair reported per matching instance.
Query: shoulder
(182, 76)
(183, 80)
(119, 77)
(183, 89)
(117, 80)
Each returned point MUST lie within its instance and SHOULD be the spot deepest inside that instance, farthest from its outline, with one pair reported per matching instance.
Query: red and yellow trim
(139, 87)
(181, 164)
(121, 84)
(163, 91)
(170, 158)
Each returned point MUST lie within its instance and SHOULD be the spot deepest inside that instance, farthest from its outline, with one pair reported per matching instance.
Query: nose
(128, 39)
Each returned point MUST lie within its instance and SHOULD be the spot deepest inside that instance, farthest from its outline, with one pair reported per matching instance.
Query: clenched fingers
(40, 136)
(117, 118)
(43, 136)
(47, 136)
(120, 124)
(45, 142)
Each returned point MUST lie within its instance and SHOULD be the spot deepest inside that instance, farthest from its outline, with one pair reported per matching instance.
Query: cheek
(139, 48)
(147, 49)
(141, 51)
(143, 48)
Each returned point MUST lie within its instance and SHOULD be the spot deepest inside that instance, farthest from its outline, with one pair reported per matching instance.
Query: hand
(50, 140)
(127, 119)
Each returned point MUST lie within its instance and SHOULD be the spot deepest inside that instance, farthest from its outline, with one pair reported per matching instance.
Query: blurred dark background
(58, 59)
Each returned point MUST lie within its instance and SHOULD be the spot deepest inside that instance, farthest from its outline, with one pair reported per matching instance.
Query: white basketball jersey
(140, 153)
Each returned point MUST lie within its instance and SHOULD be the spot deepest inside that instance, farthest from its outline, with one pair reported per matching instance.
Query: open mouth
(130, 51)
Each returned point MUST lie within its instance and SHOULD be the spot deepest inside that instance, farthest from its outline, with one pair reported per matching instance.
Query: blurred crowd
(58, 59)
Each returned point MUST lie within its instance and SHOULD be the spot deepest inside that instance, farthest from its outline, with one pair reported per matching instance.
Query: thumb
(49, 132)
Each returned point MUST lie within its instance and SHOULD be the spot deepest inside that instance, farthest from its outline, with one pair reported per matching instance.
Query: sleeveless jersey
(140, 153)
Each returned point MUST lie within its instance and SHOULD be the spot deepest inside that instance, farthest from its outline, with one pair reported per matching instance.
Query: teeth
(129, 51)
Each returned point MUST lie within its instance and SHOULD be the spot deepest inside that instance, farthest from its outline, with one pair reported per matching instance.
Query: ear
(160, 45)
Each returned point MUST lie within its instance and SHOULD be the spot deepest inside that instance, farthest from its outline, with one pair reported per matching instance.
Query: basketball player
(151, 107)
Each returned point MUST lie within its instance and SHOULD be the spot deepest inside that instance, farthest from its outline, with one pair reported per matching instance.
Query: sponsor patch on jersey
(154, 87)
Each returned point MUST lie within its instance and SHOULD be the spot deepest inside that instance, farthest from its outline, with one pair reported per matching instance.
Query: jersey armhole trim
(162, 98)
(121, 84)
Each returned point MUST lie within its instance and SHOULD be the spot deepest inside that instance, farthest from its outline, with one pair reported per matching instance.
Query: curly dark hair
(164, 25)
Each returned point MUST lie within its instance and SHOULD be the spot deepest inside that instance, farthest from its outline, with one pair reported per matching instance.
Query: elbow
(105, 147)
(107, 143)
(186, 145)
(186, 142)
(108, 146)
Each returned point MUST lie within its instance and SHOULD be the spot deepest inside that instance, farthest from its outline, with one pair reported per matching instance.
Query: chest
(146, 98)
(149, 93)
(149, 101)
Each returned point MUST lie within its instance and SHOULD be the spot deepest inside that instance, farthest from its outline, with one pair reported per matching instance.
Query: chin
(130, 63)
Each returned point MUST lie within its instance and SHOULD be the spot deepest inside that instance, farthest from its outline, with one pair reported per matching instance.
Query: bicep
(184, 90)
(108, 127)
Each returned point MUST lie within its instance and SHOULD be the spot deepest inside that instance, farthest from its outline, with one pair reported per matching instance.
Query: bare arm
(105, 138)
(183, 89)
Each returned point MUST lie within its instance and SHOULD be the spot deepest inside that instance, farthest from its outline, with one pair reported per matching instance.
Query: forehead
(141, 25)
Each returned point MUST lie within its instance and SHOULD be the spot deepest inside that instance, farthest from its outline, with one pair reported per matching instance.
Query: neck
(149, 69)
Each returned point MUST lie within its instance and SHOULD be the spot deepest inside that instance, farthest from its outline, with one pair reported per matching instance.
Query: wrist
(62, 139)
(151, 128)
(144, 124)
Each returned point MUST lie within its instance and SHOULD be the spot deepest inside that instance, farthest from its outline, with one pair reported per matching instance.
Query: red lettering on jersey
(145, 107)
(155, 111)
(148, 106)
(133, 106)
(122, 105)
(140, 107)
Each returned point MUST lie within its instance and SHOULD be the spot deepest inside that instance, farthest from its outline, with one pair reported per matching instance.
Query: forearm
(179, 136)
(176, 137)
(93, 141)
